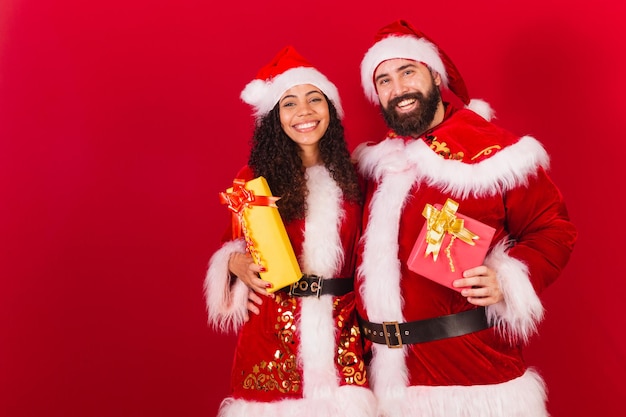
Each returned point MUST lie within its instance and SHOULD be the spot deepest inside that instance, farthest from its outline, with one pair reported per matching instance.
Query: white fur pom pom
(482, 108)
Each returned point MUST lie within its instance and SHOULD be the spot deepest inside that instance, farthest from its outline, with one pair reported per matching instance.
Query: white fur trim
(317, 347)
(482, 108)
(227, 303)
(521, 397)
(388, 373)
(386, 162)
(387, 156)
(322, 249)
(509, 168)
(408, 47)
(382, 297)
(345, 401)
(322, 255)
(263, 95)
(518, 315)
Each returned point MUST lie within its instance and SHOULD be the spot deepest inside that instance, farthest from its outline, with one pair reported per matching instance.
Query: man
(455, 350)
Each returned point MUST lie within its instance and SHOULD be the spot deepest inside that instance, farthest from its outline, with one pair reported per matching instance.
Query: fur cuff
(518, 315)
(226, 301)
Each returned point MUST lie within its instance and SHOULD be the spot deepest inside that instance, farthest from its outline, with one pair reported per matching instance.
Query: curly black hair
(277, 158)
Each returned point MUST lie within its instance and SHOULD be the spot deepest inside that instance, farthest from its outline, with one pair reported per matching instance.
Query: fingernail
(269, 285)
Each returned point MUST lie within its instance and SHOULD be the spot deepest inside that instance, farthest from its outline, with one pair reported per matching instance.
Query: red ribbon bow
(239, 199)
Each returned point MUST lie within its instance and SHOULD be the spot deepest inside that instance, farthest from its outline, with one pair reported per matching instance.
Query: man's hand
(484, 288)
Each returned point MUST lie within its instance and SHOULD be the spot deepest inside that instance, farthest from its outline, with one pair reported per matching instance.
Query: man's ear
(437, 78)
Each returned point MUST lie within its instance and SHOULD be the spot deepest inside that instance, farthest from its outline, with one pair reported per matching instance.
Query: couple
(330, 355)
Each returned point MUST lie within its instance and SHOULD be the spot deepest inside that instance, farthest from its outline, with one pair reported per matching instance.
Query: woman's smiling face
(304, 114)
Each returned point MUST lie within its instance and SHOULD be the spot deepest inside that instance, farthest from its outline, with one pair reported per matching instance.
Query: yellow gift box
(256, 218)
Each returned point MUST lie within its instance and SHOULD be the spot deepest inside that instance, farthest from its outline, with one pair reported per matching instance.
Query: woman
(297, 354)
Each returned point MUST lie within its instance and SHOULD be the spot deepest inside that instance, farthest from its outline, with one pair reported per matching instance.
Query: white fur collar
(506, 169)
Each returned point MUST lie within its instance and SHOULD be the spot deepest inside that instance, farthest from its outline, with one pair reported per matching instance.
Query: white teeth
(406, 102)
(305, 125)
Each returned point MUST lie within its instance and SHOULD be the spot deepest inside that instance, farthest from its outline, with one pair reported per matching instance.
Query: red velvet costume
(498, 179)
(299, 356)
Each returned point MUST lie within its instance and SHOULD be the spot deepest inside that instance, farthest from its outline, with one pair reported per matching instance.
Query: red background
(121, 120)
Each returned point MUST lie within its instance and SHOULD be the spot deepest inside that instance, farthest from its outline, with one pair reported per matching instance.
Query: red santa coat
(299, 356)
(500, 180)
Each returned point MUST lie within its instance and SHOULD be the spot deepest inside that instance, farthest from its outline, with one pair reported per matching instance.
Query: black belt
(312, 285)
(394, 334)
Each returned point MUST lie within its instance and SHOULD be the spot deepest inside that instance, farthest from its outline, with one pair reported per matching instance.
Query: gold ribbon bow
(240, 198)
(440, 222)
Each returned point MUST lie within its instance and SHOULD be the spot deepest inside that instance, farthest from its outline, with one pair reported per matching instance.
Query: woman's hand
(242, 265)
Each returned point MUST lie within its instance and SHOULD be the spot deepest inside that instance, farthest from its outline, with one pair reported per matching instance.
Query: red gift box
(448, 244)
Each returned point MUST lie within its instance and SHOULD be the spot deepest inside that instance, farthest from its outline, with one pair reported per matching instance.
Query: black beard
(417, 121)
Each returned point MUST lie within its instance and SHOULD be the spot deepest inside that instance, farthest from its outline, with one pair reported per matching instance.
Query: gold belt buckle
(387, 334)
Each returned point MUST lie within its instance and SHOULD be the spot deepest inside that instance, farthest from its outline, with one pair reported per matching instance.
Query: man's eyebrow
(399, 69)
(380, 76)
(405, 66)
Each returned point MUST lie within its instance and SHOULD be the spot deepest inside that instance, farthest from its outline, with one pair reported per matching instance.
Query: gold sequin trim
(442, 149)
(280, 373)
(352, 367)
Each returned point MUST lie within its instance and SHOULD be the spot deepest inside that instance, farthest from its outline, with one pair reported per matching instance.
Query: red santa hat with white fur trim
(401, 40)
(286, 70)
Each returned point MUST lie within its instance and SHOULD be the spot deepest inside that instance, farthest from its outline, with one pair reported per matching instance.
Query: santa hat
(401, 40)
(286, 70)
